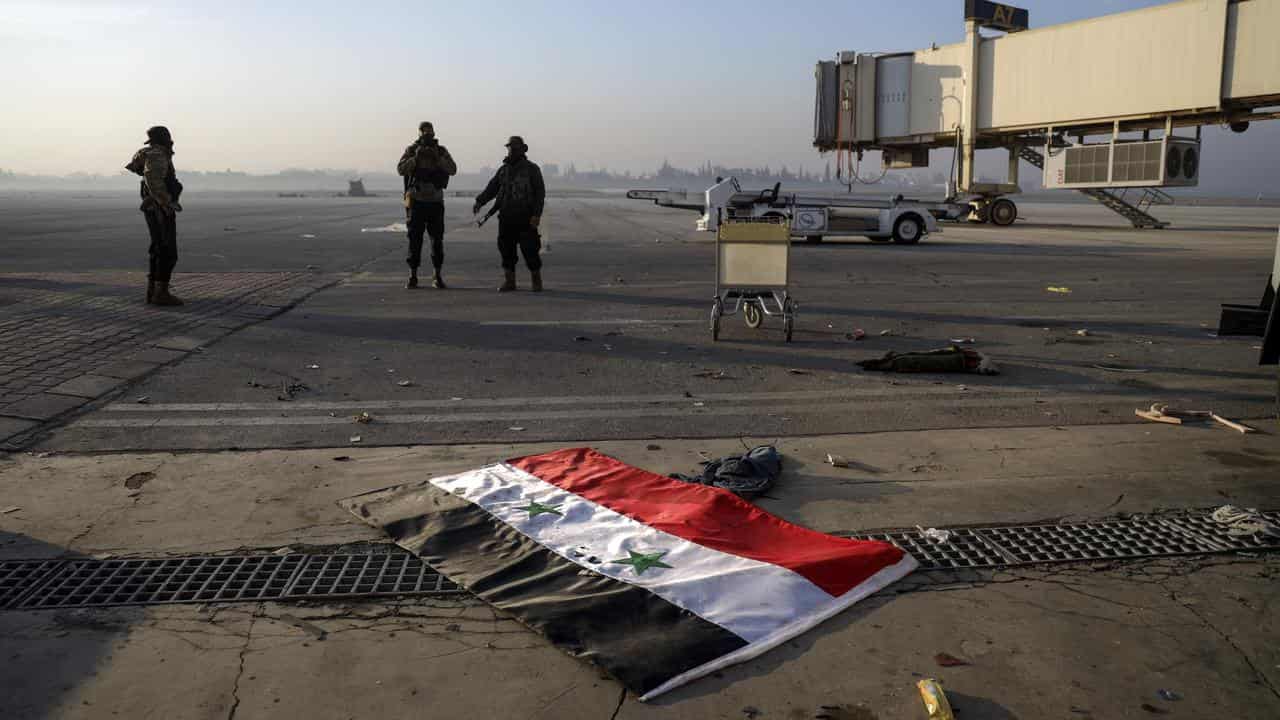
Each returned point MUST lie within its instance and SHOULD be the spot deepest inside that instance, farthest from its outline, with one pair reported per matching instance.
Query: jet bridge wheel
(908, 229)
(1002, 212)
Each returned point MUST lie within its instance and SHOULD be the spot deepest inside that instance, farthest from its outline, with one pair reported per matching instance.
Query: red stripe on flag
(712, 517)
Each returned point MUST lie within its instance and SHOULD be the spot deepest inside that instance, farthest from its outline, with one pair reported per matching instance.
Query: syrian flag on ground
(657, 581)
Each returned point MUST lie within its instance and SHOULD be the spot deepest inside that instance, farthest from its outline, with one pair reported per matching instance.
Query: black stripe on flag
(636, 636)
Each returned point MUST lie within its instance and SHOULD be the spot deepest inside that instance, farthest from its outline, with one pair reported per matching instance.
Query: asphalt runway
(618, 347)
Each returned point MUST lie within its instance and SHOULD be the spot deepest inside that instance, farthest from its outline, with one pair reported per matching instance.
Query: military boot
(535, 280)
(437, 281)
(509, 281)
(162, 297)
(151, 291)
(413, 280)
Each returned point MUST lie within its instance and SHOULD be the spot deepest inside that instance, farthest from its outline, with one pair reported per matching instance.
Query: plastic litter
(743, 475)
(143, 400)
(941, 537)
(405, 383)
(935, 700)
(837, 461)
(355, 438)
(1244, 522)
(313, 367)
(1168, 695)
(1058, 289)
(949, 660)
(363, 418)
(516, 428)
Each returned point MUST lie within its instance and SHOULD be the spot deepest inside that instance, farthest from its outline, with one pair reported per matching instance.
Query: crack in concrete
(1257, 672)
(244, 650)
(622, 696)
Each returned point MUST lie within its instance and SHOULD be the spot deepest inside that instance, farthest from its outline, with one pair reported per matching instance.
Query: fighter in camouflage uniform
(426, 167)
(520, 195)
(160, 192)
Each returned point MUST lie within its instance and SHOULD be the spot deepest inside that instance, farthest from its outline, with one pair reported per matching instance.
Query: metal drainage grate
(333, 576)
(1097, 541)
(1206, 527)
(18, 577)
(169, 580)
(246, 578)
(964, 549)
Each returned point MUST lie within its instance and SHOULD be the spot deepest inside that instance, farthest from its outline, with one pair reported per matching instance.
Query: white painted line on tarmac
(762, 399)
(551, 323)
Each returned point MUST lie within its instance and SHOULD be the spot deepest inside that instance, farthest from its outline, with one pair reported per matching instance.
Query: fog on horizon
(258, 87)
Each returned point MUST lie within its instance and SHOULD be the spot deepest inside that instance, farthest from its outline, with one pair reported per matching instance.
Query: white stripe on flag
(749, 598)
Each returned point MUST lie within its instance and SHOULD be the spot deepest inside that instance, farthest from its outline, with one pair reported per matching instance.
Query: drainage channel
(35, 585)
(50, 584)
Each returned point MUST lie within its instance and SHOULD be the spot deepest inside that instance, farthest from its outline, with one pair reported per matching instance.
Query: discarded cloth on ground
(743, 475)
(946, 360)
(656, 581)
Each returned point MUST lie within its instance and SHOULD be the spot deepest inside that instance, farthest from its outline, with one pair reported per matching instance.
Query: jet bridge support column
(969, 113)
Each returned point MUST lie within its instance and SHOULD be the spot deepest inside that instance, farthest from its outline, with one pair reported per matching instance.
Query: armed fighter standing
(426, 166)
(160, 191)
(520, 195)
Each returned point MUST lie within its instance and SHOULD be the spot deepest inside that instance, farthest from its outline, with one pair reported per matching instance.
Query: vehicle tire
(1002, 212)
(908, 229)
(716, 310)
(752, 315)
(813, 239)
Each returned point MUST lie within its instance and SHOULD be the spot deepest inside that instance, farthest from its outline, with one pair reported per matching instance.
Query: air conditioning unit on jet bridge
(1168, 162)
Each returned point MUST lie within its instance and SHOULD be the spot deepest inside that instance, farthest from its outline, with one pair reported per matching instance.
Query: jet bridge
(1048, 94)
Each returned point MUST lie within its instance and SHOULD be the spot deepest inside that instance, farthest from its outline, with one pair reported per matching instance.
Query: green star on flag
(535, 508)
(643, 561)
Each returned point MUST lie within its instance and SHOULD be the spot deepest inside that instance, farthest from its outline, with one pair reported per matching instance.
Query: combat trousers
(428, 218)
(513, 233)
(164, 244)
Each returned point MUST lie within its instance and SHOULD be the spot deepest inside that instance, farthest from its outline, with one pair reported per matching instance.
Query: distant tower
(355, 188)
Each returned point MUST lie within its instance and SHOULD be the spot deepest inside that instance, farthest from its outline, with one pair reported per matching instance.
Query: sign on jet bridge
(996, 15)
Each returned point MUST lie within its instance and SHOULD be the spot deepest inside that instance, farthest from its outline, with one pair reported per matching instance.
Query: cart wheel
(752, 315)
(716, 310)
(789, 319)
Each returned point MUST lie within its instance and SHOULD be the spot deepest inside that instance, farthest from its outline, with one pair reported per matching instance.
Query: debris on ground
(798, 371)
(313, 367)
(837, 461)
(743, 475)
(1121, 369)
(289, 389)
(307, 236)
(714, 375)
(12, 509)
(942, 537)
(582, 338)
(935, 700)
(1244, 522)
(137, 480)
(963, 340)
(1168, 695)
(1162, 413)
(342, 458)
(405, 383)
(317, 631)
(516, 428)
(355, 438)
(945, 360)
(652, 446)
(1058, 289)
(143, 400)
(859, 334)
(1153, 709)
(1083, 332)
(885, 333)
(363, 418)
(949, 660)
(286, 550)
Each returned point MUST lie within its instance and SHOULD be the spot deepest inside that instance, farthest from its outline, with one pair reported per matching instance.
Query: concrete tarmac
(619, 345)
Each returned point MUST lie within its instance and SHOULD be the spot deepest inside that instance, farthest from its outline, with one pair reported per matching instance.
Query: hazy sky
(261, 86)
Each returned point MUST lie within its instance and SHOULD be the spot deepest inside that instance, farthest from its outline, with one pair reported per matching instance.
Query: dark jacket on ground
(518, 188)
